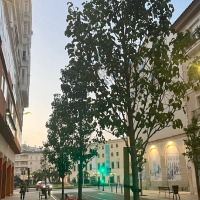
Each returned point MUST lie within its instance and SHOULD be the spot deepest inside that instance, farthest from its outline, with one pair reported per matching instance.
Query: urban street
(100, 99)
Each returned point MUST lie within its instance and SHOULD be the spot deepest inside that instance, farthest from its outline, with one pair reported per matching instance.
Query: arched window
(173, 164)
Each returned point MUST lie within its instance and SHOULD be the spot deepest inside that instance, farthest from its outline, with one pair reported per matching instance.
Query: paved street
(94, 194)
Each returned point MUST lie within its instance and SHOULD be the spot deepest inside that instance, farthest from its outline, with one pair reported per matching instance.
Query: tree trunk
(80, 172)
(141, 182)
(135, 179)
(197, 180)
(63, 188)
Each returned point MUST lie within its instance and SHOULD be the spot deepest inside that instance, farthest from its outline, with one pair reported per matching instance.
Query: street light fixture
(9, 113)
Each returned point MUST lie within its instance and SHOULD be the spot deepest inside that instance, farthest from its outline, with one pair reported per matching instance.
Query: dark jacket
(23, 188)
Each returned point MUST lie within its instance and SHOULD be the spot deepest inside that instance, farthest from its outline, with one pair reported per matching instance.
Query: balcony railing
(196, 114)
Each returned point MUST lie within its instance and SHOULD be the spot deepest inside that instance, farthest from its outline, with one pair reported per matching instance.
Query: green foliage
(17, 180)
(126, 42)
(57, 147)
(38, 175)
(93, 180)
(193, 142)
(74, 180)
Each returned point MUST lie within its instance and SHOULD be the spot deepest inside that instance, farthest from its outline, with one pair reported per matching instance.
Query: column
(12, 180)
(164, 171)
(1, 173)
(184, 175)
(4, 180)
(8, 184)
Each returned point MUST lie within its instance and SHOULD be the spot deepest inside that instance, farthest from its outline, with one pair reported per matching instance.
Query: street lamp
(9, 113)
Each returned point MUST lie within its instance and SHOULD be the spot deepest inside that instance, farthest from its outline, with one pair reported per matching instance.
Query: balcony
(25, 94)
(196, 114)
(193, 48)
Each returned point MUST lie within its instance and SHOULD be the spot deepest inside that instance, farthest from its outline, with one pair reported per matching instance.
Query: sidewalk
(31, 195)
(153, 194)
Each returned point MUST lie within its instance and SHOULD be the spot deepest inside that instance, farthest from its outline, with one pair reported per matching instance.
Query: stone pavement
(31, 195)
(153, 194)
(149, 194)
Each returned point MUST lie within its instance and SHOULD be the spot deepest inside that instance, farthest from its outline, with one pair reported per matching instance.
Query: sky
(48, 57)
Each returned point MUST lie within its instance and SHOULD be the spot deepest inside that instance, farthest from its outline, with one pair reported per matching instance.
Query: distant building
(15, 54)
(110, 156)
(29, 158)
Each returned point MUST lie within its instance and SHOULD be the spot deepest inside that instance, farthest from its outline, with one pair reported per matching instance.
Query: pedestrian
(23, 189)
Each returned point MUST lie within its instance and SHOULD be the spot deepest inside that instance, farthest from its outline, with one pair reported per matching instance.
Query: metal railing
(196, 114)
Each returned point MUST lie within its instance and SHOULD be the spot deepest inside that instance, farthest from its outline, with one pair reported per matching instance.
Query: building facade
(190, 20)
(29, 158)
(15, 45)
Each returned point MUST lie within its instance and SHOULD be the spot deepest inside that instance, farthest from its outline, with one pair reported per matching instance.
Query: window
(102, 155)
(116, 145)
(4, 86)
(24, 55)
(111, 145)
(2, 83)
(98, 166)
(86, 167)
(36, 157)
(36, 163)
(30, 163)
(117, 153)
(23, 76)
(102, 147)
(25, 27)
(112, 165)
(118, 164)
(112, 154)
(90, 166)
(74, 168)
(103, 164)
(98, 155)
(26, 6)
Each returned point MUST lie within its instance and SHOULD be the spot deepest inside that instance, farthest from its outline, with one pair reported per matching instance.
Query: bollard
(111, 188)
(121, 189)
(116, 188)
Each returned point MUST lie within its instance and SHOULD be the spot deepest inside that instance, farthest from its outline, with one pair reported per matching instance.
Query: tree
(124, 43)
(193, 148)
(45, 165)
(55, 176)
(58, 145)
(77, 115)
(86, 177)
(38, 175)
(17, 180)
(140, 160)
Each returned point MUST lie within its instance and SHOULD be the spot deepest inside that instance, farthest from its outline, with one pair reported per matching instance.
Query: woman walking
(23, 189)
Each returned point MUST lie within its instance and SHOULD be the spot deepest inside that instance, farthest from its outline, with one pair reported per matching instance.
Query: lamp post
(9, 113)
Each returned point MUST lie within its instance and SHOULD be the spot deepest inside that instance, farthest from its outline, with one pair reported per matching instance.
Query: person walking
(23, 189)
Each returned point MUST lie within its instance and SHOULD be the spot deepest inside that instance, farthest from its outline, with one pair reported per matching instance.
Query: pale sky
(48, 57)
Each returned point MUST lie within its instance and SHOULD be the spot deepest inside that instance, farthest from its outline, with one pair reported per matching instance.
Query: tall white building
(15, 48)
